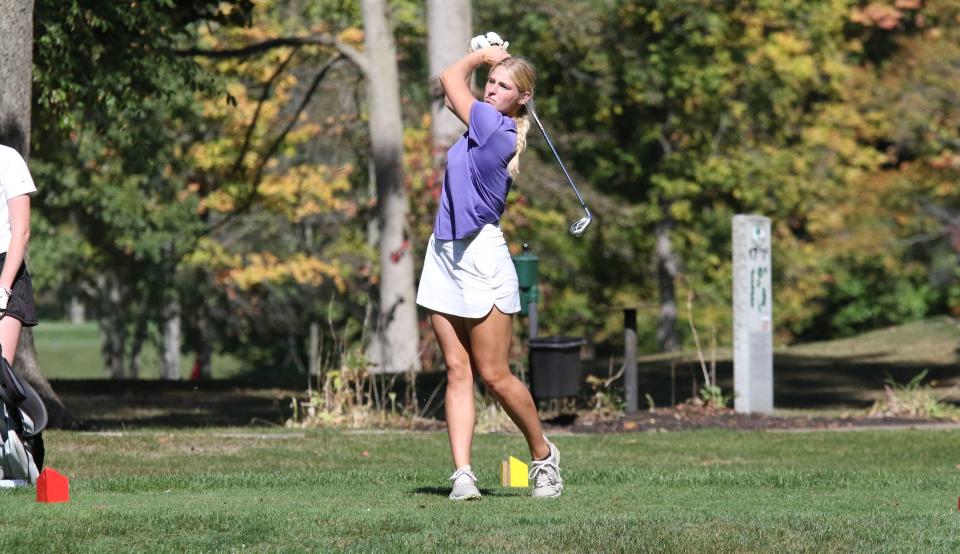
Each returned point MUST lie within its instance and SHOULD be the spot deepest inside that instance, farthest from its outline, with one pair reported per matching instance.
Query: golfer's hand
(5, 295)
(493, 55)
(489, 39)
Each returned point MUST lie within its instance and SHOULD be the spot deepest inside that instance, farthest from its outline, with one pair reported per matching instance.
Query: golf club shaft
(563, 167)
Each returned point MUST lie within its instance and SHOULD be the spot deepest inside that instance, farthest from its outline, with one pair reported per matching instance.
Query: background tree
(449, 30)
(16, 72)
(890, 233)
(219, 159)
(687, 113)
(107, 145)
(396, 329)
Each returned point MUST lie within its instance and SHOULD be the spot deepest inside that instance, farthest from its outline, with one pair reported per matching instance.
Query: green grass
(285, 490)
(72, 351)
(931, 341)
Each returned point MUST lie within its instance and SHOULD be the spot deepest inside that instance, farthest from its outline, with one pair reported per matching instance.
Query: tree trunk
(171, 341)
(16, 76)
(136, 347)
(78, 311)
(373, 347)
(313, 349)
(204, 349)
(666, 274)
(113, 329)
(16, 73)
(448, 34)
(396, 328)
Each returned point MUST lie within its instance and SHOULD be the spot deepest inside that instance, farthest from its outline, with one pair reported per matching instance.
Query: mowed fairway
(286, 490)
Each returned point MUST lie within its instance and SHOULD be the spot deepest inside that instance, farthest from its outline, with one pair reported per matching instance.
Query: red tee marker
(52, 487)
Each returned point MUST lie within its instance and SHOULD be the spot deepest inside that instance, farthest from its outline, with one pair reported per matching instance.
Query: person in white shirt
(17, 307)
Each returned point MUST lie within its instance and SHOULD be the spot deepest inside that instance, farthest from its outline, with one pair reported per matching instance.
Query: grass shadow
(846, 373)
(123, 404)
(445, 491)
(799, 381)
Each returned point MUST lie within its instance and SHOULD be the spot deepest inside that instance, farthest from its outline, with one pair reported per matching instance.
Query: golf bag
(23, 417)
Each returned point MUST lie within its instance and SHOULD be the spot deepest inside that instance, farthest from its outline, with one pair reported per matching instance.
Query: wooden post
(630, 359)
(532, 319)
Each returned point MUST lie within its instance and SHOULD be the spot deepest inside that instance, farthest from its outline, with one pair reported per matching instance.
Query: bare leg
(9, 336)
(490, 344)
(451, 332)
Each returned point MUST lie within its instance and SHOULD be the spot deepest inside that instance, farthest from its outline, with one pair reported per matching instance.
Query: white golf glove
(5, 295)
(486, 40)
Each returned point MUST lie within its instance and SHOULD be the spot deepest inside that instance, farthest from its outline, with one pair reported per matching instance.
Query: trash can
(555, 366)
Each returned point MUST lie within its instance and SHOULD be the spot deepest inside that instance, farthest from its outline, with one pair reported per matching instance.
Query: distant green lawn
(284, 490)
(72, 351)
(69, 351)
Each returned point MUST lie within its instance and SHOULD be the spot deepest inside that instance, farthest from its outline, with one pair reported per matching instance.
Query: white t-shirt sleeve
(14, 175)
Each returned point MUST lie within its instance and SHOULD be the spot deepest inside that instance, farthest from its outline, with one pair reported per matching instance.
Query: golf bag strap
(19, 395)
(11, 389)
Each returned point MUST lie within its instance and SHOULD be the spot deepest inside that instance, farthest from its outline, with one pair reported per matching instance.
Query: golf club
(580, 225)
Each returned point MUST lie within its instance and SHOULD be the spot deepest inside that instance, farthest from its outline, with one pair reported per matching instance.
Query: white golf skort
(469, 276)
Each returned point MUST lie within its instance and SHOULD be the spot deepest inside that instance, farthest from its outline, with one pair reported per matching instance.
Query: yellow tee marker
(513, 473)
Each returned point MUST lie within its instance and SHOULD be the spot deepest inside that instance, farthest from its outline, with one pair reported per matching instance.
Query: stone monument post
(752, 315)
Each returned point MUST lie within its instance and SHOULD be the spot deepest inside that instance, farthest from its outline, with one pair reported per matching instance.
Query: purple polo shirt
(476, 181)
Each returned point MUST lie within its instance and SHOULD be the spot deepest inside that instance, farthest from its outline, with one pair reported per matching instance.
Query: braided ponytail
(525, 78)
(523, 125)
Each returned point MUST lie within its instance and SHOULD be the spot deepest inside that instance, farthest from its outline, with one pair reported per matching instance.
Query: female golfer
(469, 282)
(16, 291)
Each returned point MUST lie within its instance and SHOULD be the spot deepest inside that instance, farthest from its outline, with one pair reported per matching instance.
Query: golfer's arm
(446, 99)
(455, 81)
(19, 209)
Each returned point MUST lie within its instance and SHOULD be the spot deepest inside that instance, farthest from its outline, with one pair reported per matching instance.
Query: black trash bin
(555, 366)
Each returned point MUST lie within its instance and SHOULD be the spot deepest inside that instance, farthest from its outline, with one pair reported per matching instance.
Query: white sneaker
(464, 485)
(545, 474)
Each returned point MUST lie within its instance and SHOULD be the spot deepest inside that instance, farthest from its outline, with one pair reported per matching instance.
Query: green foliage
(869, 298)
(914, 399)
(605, 399)
(886, 241)
(816, 114)
(96, 63)
(113, 112)
(712, 396)
(142, 170)
(689, 113)
(838, 119)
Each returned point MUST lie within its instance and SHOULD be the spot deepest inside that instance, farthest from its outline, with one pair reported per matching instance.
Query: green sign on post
(526, 264)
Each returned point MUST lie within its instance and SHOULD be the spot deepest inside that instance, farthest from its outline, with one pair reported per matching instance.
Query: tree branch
(249, 199)
(256, 114)
(355, 56)
(942, 214)
(258, 176)
(293, 120)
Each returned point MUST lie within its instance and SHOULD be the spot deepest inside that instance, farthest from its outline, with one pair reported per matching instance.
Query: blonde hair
(523, 75)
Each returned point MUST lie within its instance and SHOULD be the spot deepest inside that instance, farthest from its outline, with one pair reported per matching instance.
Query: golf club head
(580, 226)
